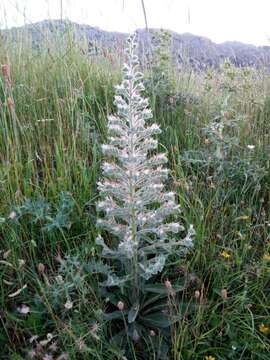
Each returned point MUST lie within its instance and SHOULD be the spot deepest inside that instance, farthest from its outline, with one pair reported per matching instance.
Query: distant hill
(197, 50)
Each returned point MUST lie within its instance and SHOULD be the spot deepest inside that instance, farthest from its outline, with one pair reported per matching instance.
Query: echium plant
(135, 208)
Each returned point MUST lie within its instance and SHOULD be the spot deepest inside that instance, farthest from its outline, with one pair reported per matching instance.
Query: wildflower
(33, 338)
(263, 329)
(46, 341)
(59, 279)
(10, 102)
(152, 333)
(168, 285)
(18, 194)
(94, 329)
(21, 262)
(266, 257)
(210, 357)
(6, 74)
(41, 268)
(69, 305)
(133, 167)
(224, 294)
(169, 288)
(120, 305)
(81, 344)
(5, 71)
(24, 309)
(58, 258)
(12, 215)
(53, 347)
(197, 294)
(6, 254)
(251, 147)
(225, 254)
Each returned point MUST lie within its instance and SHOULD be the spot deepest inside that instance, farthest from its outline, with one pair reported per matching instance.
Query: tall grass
(52, 122)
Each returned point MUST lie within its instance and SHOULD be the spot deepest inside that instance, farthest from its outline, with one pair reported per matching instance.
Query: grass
(53, 120)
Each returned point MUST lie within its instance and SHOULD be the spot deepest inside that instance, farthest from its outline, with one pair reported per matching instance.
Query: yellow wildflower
(210, 357)
(225, 254)
(264, 329)
(266, 257)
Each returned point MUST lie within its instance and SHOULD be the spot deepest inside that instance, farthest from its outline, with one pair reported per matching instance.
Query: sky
(220, 20)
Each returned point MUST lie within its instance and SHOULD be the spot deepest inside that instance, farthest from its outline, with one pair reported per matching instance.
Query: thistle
(135, 206)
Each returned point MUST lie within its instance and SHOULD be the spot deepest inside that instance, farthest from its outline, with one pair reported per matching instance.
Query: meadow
(54, 103)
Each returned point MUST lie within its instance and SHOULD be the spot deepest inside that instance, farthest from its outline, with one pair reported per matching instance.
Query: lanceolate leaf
(157, 320)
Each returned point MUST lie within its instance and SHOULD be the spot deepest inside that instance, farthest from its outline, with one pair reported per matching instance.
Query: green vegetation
(215, 130)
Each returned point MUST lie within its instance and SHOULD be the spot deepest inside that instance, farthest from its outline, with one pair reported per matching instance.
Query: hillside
(200, 51)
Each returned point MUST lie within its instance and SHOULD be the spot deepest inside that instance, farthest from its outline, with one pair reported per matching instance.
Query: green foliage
(40, 212)
(159, 80)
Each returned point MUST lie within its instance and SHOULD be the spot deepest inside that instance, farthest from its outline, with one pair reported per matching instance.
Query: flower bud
(5, 71)
(41, 268)
(224, 294)
(168, 285)
(120, 305)
(12, 215)
(10, 102)
(197, 294)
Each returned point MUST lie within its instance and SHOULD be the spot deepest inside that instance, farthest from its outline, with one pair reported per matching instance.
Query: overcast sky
(220, 20)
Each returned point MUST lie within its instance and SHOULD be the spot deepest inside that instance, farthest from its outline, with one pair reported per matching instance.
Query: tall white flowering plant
(136, 209)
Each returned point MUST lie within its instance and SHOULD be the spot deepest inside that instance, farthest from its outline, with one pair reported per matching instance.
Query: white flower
(59, 279)
(21, 262)
(12, 215)
(251, 147)
(24, 309)
(69, 305)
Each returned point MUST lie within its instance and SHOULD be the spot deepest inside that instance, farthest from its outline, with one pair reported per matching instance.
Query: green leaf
(157, 320)
(161, 347)
(133, 312)
(114, 315)
(160, 320)
(152, 299)
(155, 288)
